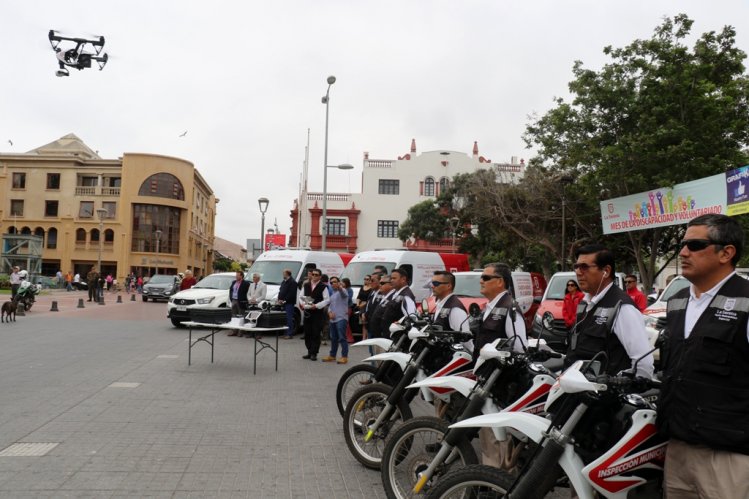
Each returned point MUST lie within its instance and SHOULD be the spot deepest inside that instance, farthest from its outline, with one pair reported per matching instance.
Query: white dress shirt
(697, 306)
(518, 331)
(458, 320)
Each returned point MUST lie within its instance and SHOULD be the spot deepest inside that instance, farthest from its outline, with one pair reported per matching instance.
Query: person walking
(338, 315)
(69, 281)
(572, 298)
(313, 300)
(59, 279)
(704, 402)
(606, 309)
(637, 297)
(287, 292)
(92, 279)
(188, 281)
(238, 292)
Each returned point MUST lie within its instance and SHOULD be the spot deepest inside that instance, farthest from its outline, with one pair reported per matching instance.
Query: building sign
(723, 193)
(273, 241)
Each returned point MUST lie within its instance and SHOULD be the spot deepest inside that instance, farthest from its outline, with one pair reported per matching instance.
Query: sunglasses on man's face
(697, 244)
(437, 283)
(489, 277)
(583, 267)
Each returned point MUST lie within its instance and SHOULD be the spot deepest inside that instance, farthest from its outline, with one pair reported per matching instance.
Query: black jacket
(244, 288)
(287, 290)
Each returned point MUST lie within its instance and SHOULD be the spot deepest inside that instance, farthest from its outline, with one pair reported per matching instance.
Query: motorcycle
(387, 372)
(424, 449)
(601, 440)
(374, 409)
(26, 294)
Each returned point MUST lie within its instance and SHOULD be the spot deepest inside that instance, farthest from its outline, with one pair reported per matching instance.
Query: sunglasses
(698, 244)
(583, 267)
(384, 282)
(489, 277)
(570, 285)
(437, 283)
(629, 282)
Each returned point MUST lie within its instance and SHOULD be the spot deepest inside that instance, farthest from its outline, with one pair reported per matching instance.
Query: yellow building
(143, 213)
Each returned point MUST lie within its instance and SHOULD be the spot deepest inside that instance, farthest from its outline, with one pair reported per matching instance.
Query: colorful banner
(669, 206)
(273, 241)
(737, 191)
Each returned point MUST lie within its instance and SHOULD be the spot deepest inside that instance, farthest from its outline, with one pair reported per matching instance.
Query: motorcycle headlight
(537, 319)
(548, 320)
(205, 301)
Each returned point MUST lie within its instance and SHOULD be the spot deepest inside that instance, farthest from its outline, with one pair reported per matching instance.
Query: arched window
(52, 238)
(429, 186)
(109, 236)
(26, 231)
(444, 184)
(163, 185)
(39, 232)
(94, 235)
(12, 230)
(80, 236)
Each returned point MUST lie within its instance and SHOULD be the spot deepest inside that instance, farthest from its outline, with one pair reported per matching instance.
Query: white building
(370, 219)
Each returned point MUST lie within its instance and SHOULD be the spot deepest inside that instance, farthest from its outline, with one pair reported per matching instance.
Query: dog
(9, 307)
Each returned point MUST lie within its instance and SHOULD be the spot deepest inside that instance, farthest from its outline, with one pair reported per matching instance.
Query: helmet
(23, 274)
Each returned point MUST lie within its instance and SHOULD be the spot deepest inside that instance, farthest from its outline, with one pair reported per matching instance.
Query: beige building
(143, 213)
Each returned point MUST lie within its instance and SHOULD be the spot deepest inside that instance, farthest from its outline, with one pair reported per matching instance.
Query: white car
(211, 292)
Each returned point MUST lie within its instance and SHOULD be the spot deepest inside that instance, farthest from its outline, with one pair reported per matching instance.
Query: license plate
(181, 309)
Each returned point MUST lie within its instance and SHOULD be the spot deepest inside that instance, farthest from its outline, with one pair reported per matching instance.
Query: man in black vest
(704, 405)
(287, 292)
(496, 286)
(449, 312)
(402, 301)
(375, 309)
(602, 324)
(313, 300)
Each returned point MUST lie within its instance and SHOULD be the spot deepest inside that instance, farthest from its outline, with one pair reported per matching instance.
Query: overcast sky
(245, 79)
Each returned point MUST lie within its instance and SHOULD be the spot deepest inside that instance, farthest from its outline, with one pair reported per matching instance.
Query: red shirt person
(188, 281)
(572, 297)
(630, 283)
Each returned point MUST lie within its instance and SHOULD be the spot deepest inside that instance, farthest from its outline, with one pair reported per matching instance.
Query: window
(389, 186)
(53, 181)
(336, 226)
(80, 236)
(429, 186)
(112, 181)
(19, 180)
(87, 209)
(444, 184)
(52, 238)
(94, 235)
(16, 207)
(89, 181)
(387, 228)
(147, 219)
(50, 208)
(111, 208)
(163, 185)
(109, 236)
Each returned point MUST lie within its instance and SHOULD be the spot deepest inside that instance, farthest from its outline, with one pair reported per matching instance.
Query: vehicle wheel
(176, 322)
(27, 306)
(145, 298)
(363, 409)
(350, 382)
(472, 481)
(411, 448)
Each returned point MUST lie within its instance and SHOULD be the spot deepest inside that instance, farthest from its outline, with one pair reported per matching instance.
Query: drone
(77, 57)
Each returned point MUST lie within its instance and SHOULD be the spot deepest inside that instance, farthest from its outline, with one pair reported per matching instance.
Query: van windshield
(674, 287)
(271, 272)
(357, 270)
(558, 287)
(468, 285)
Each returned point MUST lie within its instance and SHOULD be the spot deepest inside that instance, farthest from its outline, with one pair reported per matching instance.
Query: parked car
(160, 287)
(211, 292)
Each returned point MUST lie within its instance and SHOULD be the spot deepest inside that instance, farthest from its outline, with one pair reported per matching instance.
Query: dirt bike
(26, 294)
(601, 441)
(423, 449)
(387, 372)
(375, 409)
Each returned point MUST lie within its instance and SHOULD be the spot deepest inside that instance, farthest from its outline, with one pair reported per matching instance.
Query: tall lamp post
(565, 180)
(157, 233)
(263, 205)
(101, 212)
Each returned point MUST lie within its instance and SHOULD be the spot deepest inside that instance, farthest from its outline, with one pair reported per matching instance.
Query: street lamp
(565, 180)
(101, 212)
(157, 233)
(263, 205)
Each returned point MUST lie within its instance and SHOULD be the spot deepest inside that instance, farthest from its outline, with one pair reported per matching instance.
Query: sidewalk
(110, 386)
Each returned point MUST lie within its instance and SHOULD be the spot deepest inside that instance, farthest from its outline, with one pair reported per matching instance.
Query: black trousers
(93, 293)
(312, 330)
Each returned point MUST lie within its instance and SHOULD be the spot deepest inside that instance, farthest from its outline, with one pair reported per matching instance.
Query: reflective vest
(443, 318)
(493, 327)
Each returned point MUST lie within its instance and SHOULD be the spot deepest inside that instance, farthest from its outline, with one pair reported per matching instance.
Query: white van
(421, 266)
(271, 264)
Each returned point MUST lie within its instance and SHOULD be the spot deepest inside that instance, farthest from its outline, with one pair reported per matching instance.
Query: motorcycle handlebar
(629, 383)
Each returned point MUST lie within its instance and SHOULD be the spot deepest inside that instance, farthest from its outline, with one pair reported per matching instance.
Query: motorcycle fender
(401, 358)
(383, 343)
(460, 384)
(529, 424)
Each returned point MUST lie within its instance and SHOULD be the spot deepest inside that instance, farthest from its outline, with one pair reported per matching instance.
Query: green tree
(658, 114)
(425, 221)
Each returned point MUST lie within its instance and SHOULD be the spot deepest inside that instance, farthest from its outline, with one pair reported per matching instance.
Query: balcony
(81, 190)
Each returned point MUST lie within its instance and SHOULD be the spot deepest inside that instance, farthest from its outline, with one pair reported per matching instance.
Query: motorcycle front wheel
(363, 409)
(472, 481)
(409, 451)
(353, 379)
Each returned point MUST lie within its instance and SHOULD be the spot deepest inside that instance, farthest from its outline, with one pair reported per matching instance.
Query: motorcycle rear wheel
(411, 448)
(362, 411)
(472, 481)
